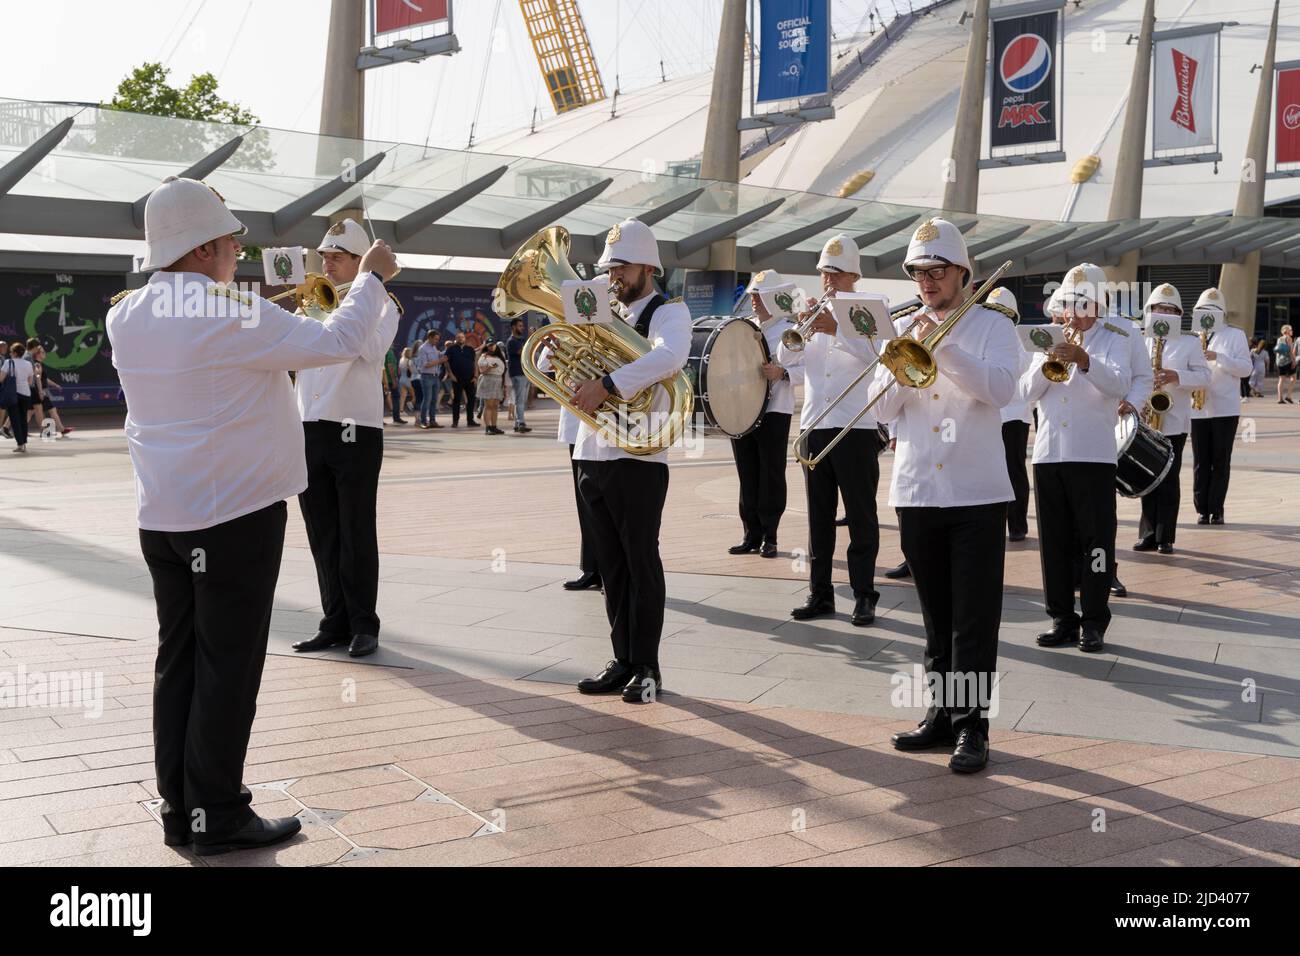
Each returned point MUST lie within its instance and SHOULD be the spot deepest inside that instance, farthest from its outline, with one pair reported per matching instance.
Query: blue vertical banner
(794, 48)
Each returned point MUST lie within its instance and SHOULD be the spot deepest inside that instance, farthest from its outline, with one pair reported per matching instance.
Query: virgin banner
(1286, 136)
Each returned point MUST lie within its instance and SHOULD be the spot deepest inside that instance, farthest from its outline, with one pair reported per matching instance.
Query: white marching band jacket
(830, 363)
(212, 426)
(1231, 363)
(1183, 355)
(670, 336)
(781, 392)
(1076, 418)
(351, 392)
(948, 433)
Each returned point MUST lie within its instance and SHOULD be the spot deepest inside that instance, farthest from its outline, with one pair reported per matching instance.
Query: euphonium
(1198, 395)
(533, 280)
(1160, 400)
(1060, 371)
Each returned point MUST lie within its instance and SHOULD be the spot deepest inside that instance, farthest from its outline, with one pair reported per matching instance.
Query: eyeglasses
(934, 272)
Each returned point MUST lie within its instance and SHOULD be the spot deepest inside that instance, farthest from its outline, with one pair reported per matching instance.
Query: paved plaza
(462, 740)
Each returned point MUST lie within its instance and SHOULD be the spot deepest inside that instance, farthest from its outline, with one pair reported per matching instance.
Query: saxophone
(1198, 395)
(1160, 401)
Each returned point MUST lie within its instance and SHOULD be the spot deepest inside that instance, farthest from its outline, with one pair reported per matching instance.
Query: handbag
(9, 387)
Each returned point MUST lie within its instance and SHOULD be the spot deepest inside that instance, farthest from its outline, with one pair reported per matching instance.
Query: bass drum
(726, 369)
(1144, 457)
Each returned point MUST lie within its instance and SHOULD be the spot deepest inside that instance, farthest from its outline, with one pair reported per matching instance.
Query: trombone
(912, 363)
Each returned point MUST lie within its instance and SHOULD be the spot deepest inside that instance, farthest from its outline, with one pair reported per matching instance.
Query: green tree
(146, 90)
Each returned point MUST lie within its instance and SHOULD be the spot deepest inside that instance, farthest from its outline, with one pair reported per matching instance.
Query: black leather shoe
(177, 837)
(1117, 588)
(363, 644)
(176, 828)
(1165, 548)
(925, 736)
(583, 582)
(1058, 636)
(255, 833)
(644, 687)
(972, 753)
(864, 612)
(1146, 544)
(1216, 519)
(814, 607)
(321, 642)
(767, 549)
(1090, 641)
(1202, 519)
(745, 547)
(1017, 536)
(609, 681)
(842, 522)
(902, 571)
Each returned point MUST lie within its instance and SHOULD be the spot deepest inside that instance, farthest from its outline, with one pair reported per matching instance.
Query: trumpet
(316, 297)
(797, 337)
(1160, 401)
(1060, 371)
(911, 361)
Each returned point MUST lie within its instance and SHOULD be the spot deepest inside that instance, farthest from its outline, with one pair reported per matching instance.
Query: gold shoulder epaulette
(1114, 328)
(905, 310)
(673, 300)
(229, 293)
(120, 296)
(1008, 312)
(397, 304)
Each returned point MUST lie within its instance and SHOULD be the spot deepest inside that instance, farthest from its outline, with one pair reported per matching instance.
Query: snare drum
(1145, 457)
(726, 367)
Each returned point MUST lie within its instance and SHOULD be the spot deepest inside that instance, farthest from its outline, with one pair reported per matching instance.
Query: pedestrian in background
(430, 360)
(515, 368)
(16, 381)
(491, 386)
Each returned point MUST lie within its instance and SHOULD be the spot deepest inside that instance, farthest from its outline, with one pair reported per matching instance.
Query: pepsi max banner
(1183, 88)
(1023, 107)
(794, 44)
(1287, 134)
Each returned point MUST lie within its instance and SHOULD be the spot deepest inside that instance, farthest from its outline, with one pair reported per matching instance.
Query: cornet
(797, 337)
(1059, 372)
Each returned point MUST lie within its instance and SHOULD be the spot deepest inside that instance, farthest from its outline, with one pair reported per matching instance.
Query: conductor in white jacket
(217, 446)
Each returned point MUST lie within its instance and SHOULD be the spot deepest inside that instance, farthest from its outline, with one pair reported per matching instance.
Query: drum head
(732, 381)
(1125, 429)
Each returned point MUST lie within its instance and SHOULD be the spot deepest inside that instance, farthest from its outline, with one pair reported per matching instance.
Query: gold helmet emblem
(615, 234)
(1166, 289)
(337, 229)
(926, 232)
(834, 247)
(995, 294)
(1212, 294)
(759, 277)
(1078, 275)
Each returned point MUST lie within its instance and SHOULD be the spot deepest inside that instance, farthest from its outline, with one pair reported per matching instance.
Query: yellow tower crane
(563, 52)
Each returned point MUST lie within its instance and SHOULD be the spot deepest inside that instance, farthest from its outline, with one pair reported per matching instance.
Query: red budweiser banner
(393, 15)
(1185, 78)
(1287, 134)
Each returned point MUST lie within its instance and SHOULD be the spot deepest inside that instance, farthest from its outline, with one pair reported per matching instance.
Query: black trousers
(1160, 506)
(467, 391)
(213, 590)
(760, 462)
(1212, 440)
(956, 556)
(587, 547)
(338, 509)
(850, 471)
(18, 412)
(624, 502)
(1075, 501)
(1015, 436)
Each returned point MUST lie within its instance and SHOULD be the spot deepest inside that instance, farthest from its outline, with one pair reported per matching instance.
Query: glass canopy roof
(72, 170)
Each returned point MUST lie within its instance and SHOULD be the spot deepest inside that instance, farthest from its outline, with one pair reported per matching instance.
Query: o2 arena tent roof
(82, 171)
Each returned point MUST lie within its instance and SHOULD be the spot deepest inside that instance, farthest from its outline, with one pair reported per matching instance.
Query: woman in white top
(491, 386)
(18, 407)
(405, 387)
